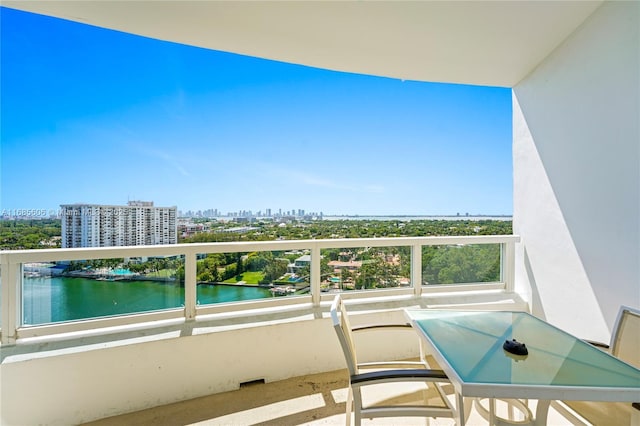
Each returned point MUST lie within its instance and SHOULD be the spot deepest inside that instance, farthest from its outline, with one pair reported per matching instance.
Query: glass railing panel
(82, 289)
(460, 264)
(235, 277)
(365, 268)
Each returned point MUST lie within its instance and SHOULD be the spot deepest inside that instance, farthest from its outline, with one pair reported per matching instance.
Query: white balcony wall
(93, 378)
(84, 383)
(577, 175)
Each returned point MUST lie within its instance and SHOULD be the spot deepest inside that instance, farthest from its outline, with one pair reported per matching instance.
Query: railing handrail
(86, 253)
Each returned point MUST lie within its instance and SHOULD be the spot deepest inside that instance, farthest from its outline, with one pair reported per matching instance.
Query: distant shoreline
(417, 217)
(324, 217)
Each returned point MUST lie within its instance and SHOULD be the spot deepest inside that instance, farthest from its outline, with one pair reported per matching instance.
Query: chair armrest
(394, 365)
(372, 327)
(399, 375)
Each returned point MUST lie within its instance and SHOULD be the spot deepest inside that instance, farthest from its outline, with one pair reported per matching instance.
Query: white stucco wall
(576, 156)
(44, 384)
(84, 383)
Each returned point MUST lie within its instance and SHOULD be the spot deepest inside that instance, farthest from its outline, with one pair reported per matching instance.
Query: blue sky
(97, 116)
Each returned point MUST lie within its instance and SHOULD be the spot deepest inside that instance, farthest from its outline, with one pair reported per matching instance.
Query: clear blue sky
(97, 116)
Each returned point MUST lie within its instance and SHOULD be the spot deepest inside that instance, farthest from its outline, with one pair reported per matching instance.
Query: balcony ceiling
(470, 42)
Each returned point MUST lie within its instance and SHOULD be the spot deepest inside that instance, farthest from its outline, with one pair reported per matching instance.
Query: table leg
(511, 412)
(492, 411)
(542, 409)
(460, 413)
(463, 409)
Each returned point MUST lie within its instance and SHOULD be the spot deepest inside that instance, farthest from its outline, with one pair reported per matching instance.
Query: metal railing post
(315, 275)
(416, 268)
(190, 284)
(11, 300)
(508, 265)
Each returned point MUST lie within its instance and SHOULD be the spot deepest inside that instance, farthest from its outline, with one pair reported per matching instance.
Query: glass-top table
(468, 345)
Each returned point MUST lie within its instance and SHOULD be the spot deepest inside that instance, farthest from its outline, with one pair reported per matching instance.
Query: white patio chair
(625, 344)
(392, 401)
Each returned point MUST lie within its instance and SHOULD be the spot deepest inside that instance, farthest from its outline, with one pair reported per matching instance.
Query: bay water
(56, 299)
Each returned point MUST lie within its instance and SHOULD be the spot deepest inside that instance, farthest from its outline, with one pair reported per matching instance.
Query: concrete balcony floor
(317, 399)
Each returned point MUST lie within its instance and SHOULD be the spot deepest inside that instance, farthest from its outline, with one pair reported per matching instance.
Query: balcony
(273, 360)
(197, 350)
(573, 68)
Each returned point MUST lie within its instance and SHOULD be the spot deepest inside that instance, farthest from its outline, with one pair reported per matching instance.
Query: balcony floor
(317, 399)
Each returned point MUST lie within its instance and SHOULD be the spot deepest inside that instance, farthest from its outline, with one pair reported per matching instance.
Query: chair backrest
(625, 339)
(343, 330)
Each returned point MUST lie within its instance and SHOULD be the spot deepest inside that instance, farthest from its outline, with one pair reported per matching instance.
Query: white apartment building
(136, 224)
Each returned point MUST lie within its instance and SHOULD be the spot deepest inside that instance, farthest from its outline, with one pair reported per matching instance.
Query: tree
(239, 264)
(274, 269)
(345, 276)
(257, 261)
(205, 276)
(229, 271)
(463, 264)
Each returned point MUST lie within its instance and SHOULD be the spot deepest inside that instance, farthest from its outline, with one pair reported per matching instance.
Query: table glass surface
(471, 342)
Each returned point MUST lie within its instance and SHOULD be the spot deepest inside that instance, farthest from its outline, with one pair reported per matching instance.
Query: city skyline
(95, 116)
(300, 213)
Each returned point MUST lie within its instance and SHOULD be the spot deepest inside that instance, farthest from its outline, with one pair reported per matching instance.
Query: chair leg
(349, 406)
(635, 417)
(357, 407)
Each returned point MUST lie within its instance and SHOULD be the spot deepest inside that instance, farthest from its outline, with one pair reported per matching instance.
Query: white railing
(11, 266)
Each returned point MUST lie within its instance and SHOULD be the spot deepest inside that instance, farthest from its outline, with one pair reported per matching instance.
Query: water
(65, 299)
(208, 294)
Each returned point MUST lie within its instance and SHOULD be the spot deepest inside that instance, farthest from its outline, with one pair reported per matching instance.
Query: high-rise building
(138, 223)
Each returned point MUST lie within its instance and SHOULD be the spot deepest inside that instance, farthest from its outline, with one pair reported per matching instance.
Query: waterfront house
(351, 265)
(299, 263)
(573, 68)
